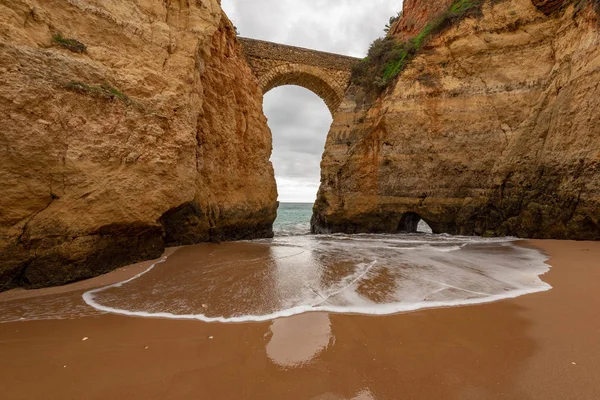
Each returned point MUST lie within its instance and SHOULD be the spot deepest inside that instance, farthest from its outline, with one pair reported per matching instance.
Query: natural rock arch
(325, 74)
(409, 222)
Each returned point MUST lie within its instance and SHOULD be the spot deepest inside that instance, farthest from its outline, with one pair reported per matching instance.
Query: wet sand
(539, 346)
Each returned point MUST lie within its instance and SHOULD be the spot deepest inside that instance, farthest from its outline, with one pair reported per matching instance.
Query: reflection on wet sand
(542, 346)
(298, 339)
(455, 353)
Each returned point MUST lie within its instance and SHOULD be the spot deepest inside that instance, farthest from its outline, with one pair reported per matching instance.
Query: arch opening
(411, 222)
(299, 122)
(319, 86)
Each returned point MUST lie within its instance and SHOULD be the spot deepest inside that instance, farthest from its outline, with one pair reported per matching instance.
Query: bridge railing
(275, 51)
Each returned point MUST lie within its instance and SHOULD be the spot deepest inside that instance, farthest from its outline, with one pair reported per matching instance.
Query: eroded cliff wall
(416, 14)
(493, 129)
(152, 136)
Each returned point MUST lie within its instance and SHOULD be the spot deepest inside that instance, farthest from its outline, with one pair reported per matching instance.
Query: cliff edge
(126, 127)
(492, 129)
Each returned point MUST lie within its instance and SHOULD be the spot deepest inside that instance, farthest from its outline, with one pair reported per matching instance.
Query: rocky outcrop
(550, 6)
(121, 123)
(493, 129)
(416, 14)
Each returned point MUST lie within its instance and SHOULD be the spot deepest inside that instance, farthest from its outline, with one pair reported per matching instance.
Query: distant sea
(293, 219)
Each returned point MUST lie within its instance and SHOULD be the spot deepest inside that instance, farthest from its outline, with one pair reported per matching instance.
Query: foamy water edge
(382, 309)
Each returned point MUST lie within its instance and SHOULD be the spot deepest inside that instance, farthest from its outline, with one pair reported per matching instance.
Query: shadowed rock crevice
(185, 225)
(409, 222)
(387, 219)
(57, 260)
(190, 224)
(549, 7)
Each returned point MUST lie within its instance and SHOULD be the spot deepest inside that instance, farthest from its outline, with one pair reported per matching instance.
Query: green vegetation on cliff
(388, 57)
(392, 21)
(105, 90)
(71, 44)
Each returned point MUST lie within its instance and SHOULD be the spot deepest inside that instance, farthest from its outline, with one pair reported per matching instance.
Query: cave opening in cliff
(412, 223)
(299, 121)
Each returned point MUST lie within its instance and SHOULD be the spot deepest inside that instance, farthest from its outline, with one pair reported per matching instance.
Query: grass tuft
(104, 91)
(71, 44)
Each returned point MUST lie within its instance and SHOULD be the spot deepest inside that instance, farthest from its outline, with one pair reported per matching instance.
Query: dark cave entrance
(412, 223)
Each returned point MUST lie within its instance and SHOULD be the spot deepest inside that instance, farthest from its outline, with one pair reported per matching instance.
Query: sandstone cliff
(145, 130)
(416, 14)
(493, 129)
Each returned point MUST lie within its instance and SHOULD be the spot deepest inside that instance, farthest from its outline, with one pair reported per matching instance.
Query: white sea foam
(386, 277)
(382, 309)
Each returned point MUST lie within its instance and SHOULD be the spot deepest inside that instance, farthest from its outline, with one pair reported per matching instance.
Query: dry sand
(540, 346)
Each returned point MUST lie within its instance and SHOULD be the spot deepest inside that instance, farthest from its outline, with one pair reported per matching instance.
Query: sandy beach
(539, 346)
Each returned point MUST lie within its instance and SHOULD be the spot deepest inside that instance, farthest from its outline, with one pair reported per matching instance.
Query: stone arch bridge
(325, 74)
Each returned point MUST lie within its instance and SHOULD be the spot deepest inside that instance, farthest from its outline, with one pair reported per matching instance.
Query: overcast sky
(298, 118)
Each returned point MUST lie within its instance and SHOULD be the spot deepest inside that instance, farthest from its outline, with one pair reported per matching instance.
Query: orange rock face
(153, 135)
(493, 129)
(415, 15)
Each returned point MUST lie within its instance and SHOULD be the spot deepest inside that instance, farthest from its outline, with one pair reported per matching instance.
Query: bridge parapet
(298, 55)
(326, 74)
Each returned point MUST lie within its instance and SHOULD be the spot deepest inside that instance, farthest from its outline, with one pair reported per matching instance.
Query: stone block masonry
(326, 74)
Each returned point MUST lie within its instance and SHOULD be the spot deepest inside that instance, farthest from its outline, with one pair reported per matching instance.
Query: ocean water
(293, 219)
(295, 273)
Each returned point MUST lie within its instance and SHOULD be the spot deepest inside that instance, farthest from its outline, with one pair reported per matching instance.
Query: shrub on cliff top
(383, 55)
(71, 44)
(392, 21)
(388, 57)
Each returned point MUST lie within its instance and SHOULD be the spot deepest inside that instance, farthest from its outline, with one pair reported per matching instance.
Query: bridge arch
(330, 92)
(325, 74)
